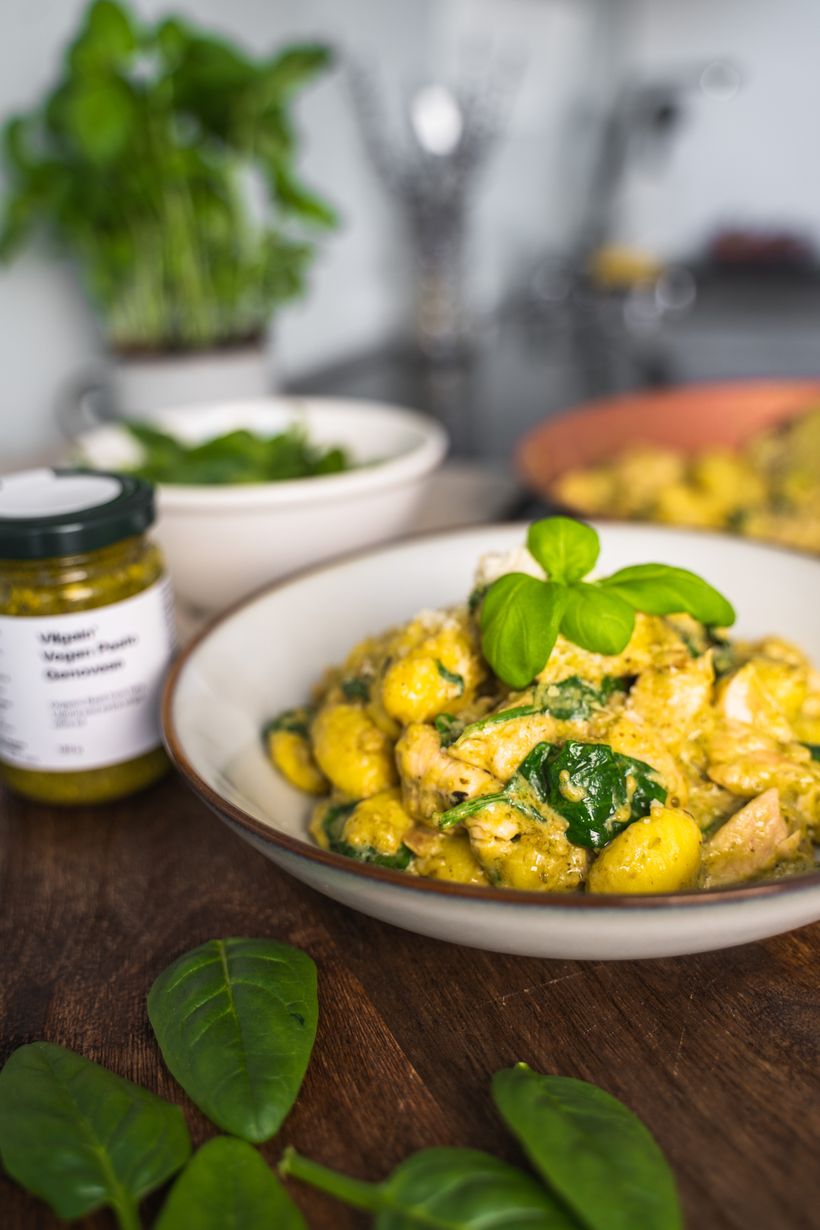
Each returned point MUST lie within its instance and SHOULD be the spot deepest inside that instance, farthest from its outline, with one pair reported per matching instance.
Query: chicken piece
(501, 746)
(659, 854)
(750, 842)
(431, 779)
(765, 693)
(675, 702)
(351, 751)
(433, 665)
(518, 851)
(748, 763)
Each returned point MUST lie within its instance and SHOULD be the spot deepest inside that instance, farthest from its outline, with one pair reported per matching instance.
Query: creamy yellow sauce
(404, 741)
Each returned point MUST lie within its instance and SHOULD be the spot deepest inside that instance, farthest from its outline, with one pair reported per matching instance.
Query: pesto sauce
(68, 585)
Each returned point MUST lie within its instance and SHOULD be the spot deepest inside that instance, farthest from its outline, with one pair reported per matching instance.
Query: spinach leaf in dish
(597, 791)
(356, 687)
(235, 1020)
(451, 677)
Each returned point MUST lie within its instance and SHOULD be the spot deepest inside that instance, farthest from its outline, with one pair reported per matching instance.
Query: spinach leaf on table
(82, 1138)
(442, 1189)
(236, 1020)
(228, 1186)
(591, 1150)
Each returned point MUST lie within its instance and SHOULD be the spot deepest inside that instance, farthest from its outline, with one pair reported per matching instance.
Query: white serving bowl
(266, 655)
(222, 542)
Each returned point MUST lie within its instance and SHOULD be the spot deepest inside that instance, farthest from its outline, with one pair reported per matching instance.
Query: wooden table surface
(717, 1053)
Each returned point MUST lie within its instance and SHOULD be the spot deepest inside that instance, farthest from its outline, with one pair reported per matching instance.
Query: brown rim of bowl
(399, 879)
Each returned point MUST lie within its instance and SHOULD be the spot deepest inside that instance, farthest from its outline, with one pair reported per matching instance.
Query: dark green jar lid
(45, 514)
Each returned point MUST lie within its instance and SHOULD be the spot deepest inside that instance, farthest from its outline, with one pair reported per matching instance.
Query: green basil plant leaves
(442, 1189)
(82, 1138)
(590, 1149)
(228, 1186)
(521, 616)
(235, 1020)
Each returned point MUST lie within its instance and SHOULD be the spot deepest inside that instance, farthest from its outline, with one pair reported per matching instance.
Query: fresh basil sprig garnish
(521, 616)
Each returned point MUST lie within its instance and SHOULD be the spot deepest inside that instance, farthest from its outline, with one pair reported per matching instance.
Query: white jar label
(82, 691)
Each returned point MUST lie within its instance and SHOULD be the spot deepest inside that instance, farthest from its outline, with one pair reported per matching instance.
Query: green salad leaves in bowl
(251, 491)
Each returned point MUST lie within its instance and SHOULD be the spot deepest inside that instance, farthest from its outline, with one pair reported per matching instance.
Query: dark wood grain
(717, 1053)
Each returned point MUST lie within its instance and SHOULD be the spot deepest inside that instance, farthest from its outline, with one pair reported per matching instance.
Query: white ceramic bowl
(264, 657)
(222, 542)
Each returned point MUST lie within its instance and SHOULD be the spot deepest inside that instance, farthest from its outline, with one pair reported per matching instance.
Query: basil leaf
(593, 1151)
(659, 589)
(596, 619)
(235, 1020)
(520, 618)
(442, 1189)
(228, 1186)
(451, 677)
(81, 1138)
(597, 791)
(567, 550)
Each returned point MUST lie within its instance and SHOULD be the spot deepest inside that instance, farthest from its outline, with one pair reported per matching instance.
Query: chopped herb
(451, 677)
(294, 721)
(356, 687)
(449, 728)
(814, 749)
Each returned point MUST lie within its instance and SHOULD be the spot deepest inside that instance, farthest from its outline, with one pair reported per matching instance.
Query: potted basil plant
(163, 164)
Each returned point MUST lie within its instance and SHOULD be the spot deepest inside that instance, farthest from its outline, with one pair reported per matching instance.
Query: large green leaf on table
(591, 1149)
(82, 1138)
(442, 1189)
(235, 1020)
(228, 1186)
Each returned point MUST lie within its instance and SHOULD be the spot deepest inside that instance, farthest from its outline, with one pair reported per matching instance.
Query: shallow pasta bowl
(265, 655)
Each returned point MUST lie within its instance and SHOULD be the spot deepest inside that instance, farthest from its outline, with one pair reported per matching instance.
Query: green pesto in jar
(100, 676)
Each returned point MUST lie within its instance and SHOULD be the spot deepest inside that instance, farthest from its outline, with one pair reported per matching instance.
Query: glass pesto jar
(86, 635)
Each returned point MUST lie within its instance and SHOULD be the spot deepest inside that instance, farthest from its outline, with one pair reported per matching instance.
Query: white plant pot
(142, 387)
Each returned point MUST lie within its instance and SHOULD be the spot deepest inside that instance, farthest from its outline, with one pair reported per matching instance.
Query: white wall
(360, 291)
(753, 159)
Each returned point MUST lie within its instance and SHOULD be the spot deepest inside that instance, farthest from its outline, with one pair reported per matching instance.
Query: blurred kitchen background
(539, 202)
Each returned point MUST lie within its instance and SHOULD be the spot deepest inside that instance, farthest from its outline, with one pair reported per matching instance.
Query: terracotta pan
(688, 418)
